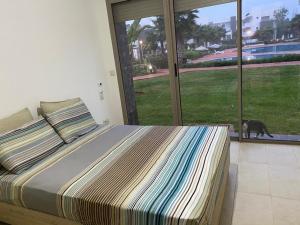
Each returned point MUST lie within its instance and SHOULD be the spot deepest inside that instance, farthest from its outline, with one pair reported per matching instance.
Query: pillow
(50, 107)
(20, 149)
(15, 120)
(72, 122)
(39, 111)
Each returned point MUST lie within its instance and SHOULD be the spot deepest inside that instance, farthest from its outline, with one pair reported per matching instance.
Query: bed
(124, 175)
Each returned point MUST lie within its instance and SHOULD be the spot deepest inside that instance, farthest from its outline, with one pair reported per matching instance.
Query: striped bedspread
(126, 175)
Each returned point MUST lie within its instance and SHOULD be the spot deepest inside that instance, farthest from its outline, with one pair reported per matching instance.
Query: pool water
(247, 58)
(271, 51)
(273, 48)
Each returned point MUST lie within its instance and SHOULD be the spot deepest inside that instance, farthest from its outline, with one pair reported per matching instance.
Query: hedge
(285, 58)
(160, 61)
(193, 54)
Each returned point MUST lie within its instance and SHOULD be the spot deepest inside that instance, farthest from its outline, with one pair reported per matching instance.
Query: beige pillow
(33, 142)
(50, 107)
(15, 121)
(72, 122)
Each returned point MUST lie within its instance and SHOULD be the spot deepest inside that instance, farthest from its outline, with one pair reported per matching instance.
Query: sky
(222, 13)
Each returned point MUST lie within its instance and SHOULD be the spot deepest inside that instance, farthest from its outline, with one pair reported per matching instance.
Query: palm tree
(159, 32)
(133, 33)
(127, 72)
(282, 22)
(185, 23)
(209, 33)
(295, 25)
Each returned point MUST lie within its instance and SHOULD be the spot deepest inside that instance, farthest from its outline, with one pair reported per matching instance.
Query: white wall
(53, 50)
(99, 12)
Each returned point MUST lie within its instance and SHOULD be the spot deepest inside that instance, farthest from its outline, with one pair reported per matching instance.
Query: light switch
(101, 91)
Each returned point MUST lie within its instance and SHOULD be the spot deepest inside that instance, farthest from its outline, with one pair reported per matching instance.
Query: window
(271, 70)
(183, 62)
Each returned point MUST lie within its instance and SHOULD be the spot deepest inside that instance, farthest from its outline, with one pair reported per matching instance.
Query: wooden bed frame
(14, 215)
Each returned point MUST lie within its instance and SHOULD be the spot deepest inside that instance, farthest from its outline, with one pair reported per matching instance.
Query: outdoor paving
(282, 137)
(227, 53)
(165, 72)
(276, 137)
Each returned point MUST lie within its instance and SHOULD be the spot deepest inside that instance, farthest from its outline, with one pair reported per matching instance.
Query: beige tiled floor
(268, 190)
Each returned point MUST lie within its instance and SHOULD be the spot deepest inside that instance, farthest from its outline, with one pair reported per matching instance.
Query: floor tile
(289, 189)
(285, 182)
(284, 173)
(253, 153)
(252, 209)
(253, 178)
(229, 199)
(297, 154)
(234, 152)
(285, 211)
(268, 184)
(281, 155)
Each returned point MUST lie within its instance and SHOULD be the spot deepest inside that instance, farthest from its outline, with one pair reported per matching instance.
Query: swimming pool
(274, 48)
(247, 58)
(263, 52)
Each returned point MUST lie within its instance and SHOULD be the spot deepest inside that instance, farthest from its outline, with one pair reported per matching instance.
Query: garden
(269, 94)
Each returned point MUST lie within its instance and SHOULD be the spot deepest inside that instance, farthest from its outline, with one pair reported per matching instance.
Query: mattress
(127, 175)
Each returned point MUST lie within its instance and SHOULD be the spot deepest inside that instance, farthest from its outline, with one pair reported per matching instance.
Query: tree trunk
(162, 47)
(127, 73)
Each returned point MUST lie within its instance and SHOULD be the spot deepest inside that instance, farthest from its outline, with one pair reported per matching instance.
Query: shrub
(143, 69)
(193, 54)
(159, 61)
(210, 64)
(139, 69)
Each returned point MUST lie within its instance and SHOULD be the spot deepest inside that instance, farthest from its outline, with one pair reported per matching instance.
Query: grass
(271, 95)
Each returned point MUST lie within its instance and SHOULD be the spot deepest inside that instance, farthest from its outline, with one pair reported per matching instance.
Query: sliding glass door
(143, 56)
(271, 69)
(207, 57)
(193, 62)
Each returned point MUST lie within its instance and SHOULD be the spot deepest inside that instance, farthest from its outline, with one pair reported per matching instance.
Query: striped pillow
(72, 121)
(20, 149)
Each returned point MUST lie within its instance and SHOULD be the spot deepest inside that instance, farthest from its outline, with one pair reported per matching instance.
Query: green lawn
(271, 95)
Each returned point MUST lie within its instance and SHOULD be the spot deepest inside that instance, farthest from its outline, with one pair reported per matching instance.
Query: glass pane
(144, 63)
(271, 70)
(207, 55)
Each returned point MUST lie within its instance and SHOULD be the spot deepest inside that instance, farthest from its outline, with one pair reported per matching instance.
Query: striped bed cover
(127, 175)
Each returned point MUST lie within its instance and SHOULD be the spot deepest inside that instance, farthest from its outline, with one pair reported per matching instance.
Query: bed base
(15, 215)
(217, 213)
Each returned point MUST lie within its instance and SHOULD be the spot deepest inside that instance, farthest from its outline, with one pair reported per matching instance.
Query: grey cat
(256, 126)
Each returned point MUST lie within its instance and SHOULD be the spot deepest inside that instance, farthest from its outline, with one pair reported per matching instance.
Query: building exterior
(255, 20)
(229, 26)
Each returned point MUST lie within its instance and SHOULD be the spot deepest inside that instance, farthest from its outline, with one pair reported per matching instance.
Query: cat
(256, 126)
